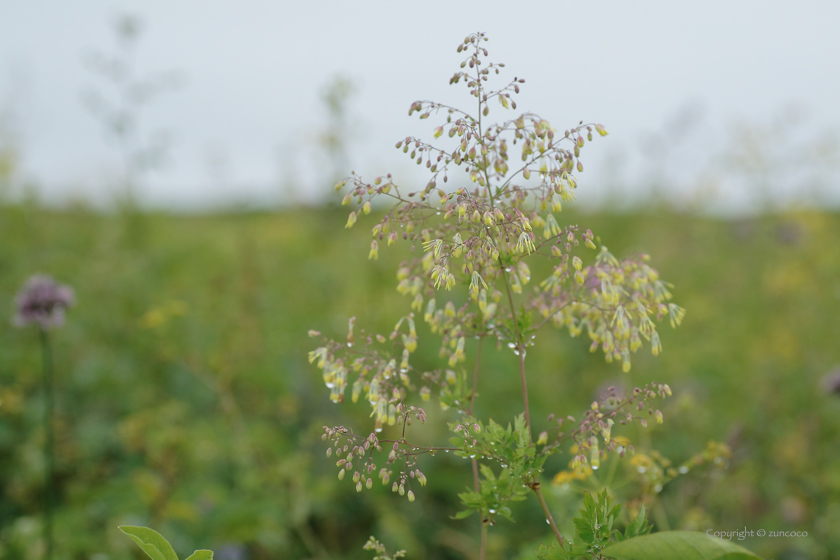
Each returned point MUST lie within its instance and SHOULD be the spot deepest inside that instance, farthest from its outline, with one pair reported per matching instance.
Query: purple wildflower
(42, 301)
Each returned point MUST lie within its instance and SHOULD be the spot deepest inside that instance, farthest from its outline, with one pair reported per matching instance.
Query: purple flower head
(42, 301)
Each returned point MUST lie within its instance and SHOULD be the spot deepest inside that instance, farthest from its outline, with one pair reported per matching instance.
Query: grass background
(186, 403)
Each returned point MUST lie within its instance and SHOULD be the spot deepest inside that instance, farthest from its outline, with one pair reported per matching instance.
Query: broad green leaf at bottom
(677, 545)
(151, 542)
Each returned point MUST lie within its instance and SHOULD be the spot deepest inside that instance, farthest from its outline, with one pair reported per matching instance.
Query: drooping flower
(42, 301)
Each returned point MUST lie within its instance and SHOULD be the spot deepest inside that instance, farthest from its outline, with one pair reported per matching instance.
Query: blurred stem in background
(338, 132)
(49, 441)
(118, 104)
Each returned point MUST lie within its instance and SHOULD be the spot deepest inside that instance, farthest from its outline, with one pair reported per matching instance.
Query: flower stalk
(49, 440)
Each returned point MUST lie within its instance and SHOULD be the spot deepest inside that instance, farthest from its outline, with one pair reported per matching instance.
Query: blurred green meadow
(186, 403)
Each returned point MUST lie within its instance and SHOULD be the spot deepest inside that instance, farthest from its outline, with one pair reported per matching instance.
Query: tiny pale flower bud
(410, 496)
(543, 439)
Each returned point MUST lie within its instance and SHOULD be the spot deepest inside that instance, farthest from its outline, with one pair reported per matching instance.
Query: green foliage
(512, 450)
(682, 545)
(494, 495)
(595, 530)
(158, 548)
(380, 552)
(157, 395)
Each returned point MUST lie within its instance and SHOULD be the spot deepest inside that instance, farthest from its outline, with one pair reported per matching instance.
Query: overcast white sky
(245, 119)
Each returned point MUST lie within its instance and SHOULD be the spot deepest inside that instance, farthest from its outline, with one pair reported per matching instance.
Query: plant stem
(483, 551)
(521, 348)
(474, 460)
(536, 488)
(49, 442)
(472, 405)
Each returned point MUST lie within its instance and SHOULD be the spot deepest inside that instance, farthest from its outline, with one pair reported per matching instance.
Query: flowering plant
(42, 302)
(471, 254)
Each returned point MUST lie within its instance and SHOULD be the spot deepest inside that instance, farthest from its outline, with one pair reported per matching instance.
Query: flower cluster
(351, 448)
(42, 301)
(597, 423)
(472, 251)
(383, 379)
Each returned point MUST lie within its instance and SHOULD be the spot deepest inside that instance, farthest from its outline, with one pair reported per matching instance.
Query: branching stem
(472, 406)
(536, 488)
(521, 349)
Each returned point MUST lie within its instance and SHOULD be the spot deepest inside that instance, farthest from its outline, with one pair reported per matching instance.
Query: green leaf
(463, 514)
(636, 528)
(152, 543)
(201, 555)
(677, 545)
(584, 530)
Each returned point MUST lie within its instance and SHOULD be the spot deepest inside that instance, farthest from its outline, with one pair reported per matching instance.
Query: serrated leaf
(487, 473)
(584, 530)
(638, 526)
(463, 514)
(201, 555)
(151, 542)
(677, 545)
